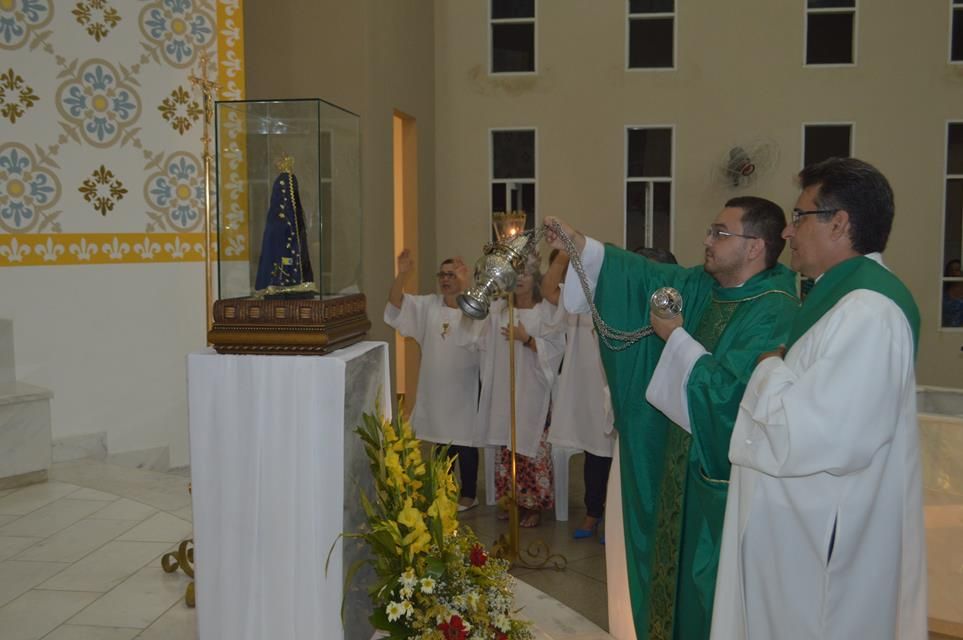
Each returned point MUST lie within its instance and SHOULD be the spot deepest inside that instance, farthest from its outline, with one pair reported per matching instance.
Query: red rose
(478, 556)
(453, 629)
(500, 636)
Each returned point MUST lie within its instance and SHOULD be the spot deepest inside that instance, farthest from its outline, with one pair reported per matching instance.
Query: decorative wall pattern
(101, 158)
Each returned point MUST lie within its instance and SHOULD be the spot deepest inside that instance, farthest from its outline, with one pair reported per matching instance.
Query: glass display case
(288, 227)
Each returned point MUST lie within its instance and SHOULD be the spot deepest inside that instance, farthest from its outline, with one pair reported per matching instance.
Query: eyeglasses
(798, 213)
(445, 274)
(715, 234)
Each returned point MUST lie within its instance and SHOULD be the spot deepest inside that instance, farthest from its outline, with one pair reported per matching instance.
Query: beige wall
(739, 77)
(370, 57)
(111, 343)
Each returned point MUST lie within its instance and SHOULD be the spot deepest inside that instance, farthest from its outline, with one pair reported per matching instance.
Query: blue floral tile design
(26, 190)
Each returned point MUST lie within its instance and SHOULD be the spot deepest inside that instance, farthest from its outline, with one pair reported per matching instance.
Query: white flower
(406, 592)
(502, 623)
(407, 608)
(408, 578)
(473, 599)
(394, 611)
(428, 585)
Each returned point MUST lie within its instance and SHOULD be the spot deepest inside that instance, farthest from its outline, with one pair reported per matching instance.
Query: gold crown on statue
(285, 164)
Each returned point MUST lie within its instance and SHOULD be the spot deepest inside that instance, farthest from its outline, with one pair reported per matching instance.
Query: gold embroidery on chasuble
(668, 536)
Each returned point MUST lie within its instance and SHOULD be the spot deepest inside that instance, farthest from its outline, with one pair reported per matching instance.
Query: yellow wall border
(55, 249)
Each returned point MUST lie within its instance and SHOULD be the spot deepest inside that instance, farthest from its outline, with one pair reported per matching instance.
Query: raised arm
(553, 278)
(397, 291)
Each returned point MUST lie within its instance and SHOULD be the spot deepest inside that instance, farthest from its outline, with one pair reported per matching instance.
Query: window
(651, 34)
(952, 284)
(956, 31)
(513, 173)
(648, 187)
(513, 36)
(830, 32)
(821, 141)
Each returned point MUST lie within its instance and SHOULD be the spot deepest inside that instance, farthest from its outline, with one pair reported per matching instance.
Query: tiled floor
(80, 557)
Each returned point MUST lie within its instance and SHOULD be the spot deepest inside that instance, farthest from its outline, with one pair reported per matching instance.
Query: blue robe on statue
(284, 267)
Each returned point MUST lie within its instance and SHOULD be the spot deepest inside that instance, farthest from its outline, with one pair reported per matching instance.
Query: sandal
(587, 532)
(531, 519)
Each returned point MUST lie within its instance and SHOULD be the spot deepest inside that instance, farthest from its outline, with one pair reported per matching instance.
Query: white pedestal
(276, 470)
(25, 431)
(24, 434)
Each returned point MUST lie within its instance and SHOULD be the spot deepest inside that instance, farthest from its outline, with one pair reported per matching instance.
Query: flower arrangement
(435, 581)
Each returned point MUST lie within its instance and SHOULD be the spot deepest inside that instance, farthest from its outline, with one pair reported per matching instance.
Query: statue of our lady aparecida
(284, 270)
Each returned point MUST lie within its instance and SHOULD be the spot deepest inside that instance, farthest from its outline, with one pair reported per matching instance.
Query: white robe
(621, 622)
(447, 399)
(826, 438)
(582, 411)
(534, 376)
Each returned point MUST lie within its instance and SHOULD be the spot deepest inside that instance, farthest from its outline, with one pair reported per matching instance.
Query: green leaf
(379, 620)
(349, 576)
(435, 567)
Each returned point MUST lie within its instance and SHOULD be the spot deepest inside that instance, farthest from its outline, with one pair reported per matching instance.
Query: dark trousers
(596, 478)
(467, 467)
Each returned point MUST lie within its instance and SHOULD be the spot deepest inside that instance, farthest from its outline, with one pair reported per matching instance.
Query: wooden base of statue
(288, 326)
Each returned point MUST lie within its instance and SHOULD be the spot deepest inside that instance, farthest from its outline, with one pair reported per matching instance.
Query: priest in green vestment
(739, 304)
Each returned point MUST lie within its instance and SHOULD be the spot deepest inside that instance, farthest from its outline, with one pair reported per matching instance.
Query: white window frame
(947, 176)
(807, 12)
(626, 180)
(802, 137)
(629, 17)
(491, 37)
(509, 182)
(954, 4)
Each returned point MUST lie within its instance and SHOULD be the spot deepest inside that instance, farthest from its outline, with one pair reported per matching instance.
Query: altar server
(582, 416)
(538, 346)
(447, 398)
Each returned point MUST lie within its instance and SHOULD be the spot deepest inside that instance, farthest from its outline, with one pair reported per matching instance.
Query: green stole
(649, 459)
(849, 275)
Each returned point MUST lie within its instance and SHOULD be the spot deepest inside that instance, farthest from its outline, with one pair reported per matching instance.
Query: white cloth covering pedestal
(276, 470)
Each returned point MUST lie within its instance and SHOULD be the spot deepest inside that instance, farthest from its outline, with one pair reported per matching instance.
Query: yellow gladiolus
(393, 465)
(446, 511)
(389, 431)
(417, 541)
(418, 538)
(411, 517)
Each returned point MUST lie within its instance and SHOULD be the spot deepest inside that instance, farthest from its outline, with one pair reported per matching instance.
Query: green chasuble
(673, 484)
